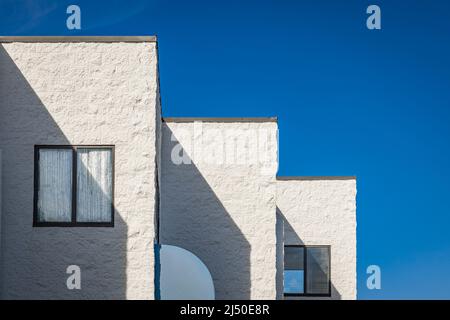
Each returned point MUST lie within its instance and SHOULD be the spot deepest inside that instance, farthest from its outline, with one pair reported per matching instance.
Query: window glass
(293, 281)
(55, 185)
(94, 185)
(318, 270)
(293, 270)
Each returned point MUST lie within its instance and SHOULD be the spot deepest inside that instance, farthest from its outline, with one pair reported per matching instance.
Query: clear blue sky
(375, 104)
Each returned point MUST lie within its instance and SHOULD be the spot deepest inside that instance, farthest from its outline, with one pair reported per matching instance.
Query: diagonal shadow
(194, 218)
(34, 260)
(286, 235)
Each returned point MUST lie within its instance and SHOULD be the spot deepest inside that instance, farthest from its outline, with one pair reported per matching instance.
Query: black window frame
(73, 222)
(305, 272)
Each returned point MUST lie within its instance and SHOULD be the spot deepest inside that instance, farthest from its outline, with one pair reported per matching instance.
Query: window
(307, 271)
(73, 186)
(294, 270)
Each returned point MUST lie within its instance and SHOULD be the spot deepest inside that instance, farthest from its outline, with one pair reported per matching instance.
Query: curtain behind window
(318, 270)
(94, 185)
(55, 185)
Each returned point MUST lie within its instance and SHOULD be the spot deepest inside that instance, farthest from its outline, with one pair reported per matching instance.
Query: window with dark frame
(307, 270)
(74, 186)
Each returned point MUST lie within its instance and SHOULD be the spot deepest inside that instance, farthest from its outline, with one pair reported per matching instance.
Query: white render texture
(79, 93)
(228, 210)
(223, 212)
(323, 212)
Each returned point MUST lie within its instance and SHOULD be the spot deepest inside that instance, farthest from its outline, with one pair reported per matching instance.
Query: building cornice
(227, 120)
(303, 178)
(46, 39)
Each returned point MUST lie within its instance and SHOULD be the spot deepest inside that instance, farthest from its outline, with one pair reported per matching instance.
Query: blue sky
(350, 101)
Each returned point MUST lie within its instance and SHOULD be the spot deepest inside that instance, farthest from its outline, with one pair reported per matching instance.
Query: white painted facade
(222, 212)
(322, 211)
(206, 185)
(79, 93)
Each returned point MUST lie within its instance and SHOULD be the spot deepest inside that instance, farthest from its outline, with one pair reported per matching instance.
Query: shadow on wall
(286, 235)
(194, 218)
(35, 259)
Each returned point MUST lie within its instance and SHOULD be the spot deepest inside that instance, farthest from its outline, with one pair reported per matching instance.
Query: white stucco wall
(323, 212)
(79, 93)
(223, 212)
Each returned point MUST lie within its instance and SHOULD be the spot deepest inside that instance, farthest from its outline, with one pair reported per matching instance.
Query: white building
(93, 176)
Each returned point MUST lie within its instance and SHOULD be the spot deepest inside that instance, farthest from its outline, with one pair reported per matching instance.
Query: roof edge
(312, 178)
(227, 120)
(49, 39)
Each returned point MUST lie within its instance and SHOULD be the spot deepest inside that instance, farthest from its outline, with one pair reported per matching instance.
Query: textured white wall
(79, 93)
(323, 212)
(223, 213)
